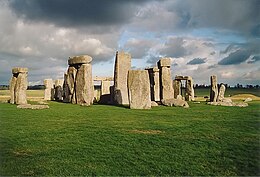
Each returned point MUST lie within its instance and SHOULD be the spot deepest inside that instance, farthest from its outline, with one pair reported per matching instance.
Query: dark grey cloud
(196, 61)
(236, 57)
(69, 13)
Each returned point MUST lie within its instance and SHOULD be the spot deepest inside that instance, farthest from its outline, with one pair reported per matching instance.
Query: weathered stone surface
(83, 59)
(122, 66)
(105, 87)
(66, 90)
(221, 92)
(166, 88)
(29, 106)
(154, 104)
(227, 100)
(189, 94)
(19, 70)
(12, 89)
(213, 89)
(164, 62)
(179, 97)
(175, 102)
(59, 82)
(58, 93)
(72, 71)
(177, 88)
(20, 89)
(98, 78)
(248, 100)
(154, 83)
(240, 104)
(139, 89)
(84, 85)
(48, 84)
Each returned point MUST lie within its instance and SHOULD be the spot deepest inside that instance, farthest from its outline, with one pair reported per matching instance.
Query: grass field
(108, 140)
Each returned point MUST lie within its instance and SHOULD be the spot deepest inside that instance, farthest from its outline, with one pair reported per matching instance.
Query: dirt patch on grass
(22, 153)
(152, 132)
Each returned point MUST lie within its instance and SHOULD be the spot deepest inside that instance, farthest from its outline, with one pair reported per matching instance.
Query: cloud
(196, 61)
(254, 59)
(252, 75)
(67, 13)
(236, 57)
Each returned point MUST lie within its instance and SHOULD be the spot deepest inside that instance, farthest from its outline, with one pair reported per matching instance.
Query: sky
(202, 37)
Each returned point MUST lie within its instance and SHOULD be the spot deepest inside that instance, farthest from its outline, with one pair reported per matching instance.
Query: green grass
(108, 140)
(229, 91)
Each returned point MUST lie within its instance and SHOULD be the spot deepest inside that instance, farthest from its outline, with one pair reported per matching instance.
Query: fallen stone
(154, 104)
(175, 102)
(29, 106)
(248, 100)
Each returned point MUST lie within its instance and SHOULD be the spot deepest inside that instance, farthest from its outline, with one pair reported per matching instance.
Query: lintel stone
(83, 59)
(164, 62)
(19, 70)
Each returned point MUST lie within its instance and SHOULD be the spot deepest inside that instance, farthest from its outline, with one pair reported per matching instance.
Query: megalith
(176, 88)
(166, 89)
(122, 66)
(58, 89)
(18, 86)
(213, 88)
(221, 93)
(79, 80)
(48, 84)
(189, 94)
(66, 91)
(139, 89)
(154, 83)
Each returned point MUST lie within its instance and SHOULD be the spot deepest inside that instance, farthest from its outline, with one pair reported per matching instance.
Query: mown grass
(108, 140)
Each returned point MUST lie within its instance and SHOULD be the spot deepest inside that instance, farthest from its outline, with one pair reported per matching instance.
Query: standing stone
(58, 89)
(48, 84)
(166, 89)
(66, 91)
(176, 88)
(105, 87)
(84, 85)
(213, 88)
(79, 80)
(12, 89)
(154, 83)
(221, 93)
(18, 86)
(139, 89)
(189, 94)
(72, 71)
(122, 66)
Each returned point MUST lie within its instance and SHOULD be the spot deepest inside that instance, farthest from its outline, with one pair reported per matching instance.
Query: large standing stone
(154, 83)
(66, 90)
(221, 93)
(18, 86)
(105, 87)
(48, 84)
(72, 71)
(176, 88)
(122, 66)
(79, 80)
(166, 89)
(139, 89)
(58, 89)
(213, 88)
(84, 85)
(12, 89)
(189, 94)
